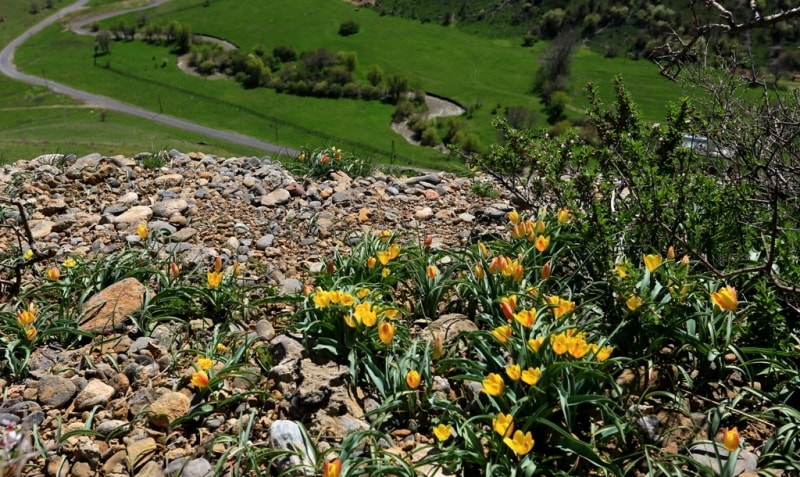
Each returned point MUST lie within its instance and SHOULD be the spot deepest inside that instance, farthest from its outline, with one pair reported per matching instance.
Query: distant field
(485, 75)
(35, 121)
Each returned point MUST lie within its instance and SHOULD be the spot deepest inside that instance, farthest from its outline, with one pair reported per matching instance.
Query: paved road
(8, 68)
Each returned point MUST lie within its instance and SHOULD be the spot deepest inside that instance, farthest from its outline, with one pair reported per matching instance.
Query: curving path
(8, 68)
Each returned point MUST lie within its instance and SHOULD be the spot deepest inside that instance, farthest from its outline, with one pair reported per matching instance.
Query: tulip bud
(546, 271)
(438, 347)
(53, 274)
(218, 264)
(330, 267)
(174, 270)
(428, 242)
(671, 253)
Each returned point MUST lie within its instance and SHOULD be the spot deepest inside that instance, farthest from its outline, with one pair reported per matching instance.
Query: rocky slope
(121, 393)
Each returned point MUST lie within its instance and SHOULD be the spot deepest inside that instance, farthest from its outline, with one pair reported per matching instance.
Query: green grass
(475, 72)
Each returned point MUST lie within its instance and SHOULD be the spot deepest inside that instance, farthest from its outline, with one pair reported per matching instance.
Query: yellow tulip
(521, 444)
(531, 376)
(559, 343)
(563, 216)
(652, 261)
(386, 235)
(213, 279)
(69, 262)
(394, 251)
(386, 272)
(560, 305)
(384, 257)
(730, 439)
(633, 302)
(204, 363)
(28, 254)
(534, 344)
(493, 384)
(603, 353)
(386, 332)
(483, 250)
(141, 231)
(442, 432)
(513, 217)
(503, 424)
(364, 292)
(502, 333)
(346, 299)
(725, 298)
(322, 299)
(526, 317)
(31, 333)
(621, 270)
(513, 371)
(365, 313)
(26, 317)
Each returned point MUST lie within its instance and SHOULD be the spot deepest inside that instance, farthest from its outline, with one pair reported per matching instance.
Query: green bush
(349, 27)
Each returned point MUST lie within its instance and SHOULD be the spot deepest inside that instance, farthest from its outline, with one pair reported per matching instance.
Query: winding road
(8, 68)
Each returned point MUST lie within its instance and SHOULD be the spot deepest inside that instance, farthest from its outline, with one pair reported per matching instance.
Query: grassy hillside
(486, 76)
(35, 121)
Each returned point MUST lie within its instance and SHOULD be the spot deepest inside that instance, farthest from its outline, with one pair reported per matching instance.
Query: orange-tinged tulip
(513, 371)
(652, 261)
(521, 443)
(546, 271)
(141, 231)
(671, 253)
(438, 347)
(493, 384)
(502, 333)
(432, 271)
(531, 376)
(542, 243)
(413, 379)
(330, 267)
(204, 363)
(386, 332)
(507, 309)
(31, 333)
(503, 424)
(200, 379)
(730, 438)
(442, 432)
(725, 298)
(428, 242)
(371, 261)
(213, 279)
(174, 270)
(218, 264)
(53, 274)
(332, 468)
(633, 302)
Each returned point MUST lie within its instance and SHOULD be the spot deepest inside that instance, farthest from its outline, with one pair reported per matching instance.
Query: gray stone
(42, 229)
(183, 234)
(276, 197)
(53, 207)
(95, 393)
(715, 456)
(107, 427)
(424, 213)
(286, 349)
(170, 207)
(197, 468)
(429, 178)
(450, 325)
(265, 330)
(136, 214)
(290, 286)
(56, 391)
(341, 197)
(265, 242)
(287, 436)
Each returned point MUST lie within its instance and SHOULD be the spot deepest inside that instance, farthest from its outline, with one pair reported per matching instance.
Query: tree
(554, 65)
(677, 50)
(102, 42)
(375, 75)
(398, 85)
(349, 27)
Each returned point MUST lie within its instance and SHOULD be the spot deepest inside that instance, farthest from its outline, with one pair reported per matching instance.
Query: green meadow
(485, 75)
